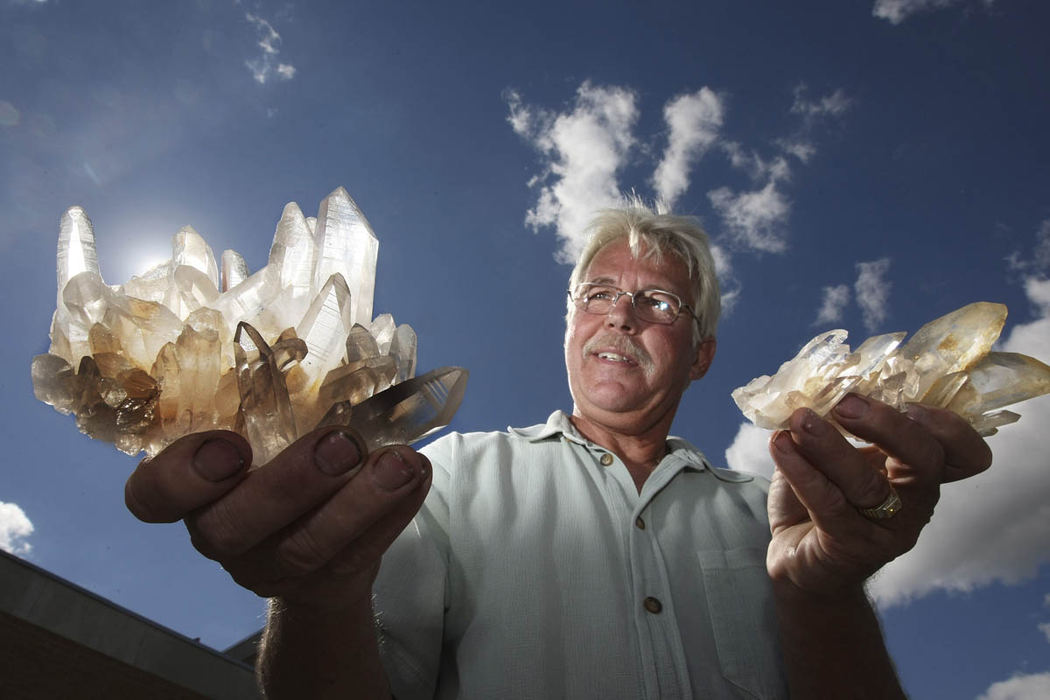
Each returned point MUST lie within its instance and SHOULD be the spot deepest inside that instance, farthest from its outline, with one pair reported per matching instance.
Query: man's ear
(705, 355)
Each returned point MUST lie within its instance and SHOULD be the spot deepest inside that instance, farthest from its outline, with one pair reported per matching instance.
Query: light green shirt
(536, 570)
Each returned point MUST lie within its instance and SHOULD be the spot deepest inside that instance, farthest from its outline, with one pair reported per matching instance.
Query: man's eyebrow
(601, 280)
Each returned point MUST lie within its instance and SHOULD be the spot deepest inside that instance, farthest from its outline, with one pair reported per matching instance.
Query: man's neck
(639, 452)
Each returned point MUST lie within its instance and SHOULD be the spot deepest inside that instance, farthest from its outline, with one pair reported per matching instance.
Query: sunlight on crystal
(195, 343)
(948, 363)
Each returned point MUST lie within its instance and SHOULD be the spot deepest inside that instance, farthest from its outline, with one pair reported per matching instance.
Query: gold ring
(887, 509)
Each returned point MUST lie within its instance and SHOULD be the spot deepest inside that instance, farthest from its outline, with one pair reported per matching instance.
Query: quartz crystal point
(948, 363)
(415, 407)
(189, 345)
(266, 409)
(76, 248)
(234, 269)
(346, 244)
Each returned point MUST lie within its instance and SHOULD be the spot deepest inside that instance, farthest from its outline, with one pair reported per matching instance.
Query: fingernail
(217, 459)
(852, 406)
(392, 471)
(336, 453)
(783, 442)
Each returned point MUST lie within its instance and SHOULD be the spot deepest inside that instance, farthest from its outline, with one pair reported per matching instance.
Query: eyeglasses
(650, 305)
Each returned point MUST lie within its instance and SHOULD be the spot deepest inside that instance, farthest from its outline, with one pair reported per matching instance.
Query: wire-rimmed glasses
(650, 305)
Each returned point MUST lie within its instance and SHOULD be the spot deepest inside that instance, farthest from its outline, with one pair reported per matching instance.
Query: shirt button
(606, 459)
(653, 605)
(639, 523)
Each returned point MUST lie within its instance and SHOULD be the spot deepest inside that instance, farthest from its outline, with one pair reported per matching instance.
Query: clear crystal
(186, 347)
(76, 248)
(234, 270)
(947, 363)
(347, 245)
(190, 249)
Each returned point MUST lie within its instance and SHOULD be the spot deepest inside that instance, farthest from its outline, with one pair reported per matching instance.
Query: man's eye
(598, 294)
(655, 303)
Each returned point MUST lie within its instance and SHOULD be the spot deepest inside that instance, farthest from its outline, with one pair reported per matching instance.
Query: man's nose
(621, 314)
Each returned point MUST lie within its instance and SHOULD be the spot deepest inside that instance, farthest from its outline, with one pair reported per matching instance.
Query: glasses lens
(657, 306)
(595, 298)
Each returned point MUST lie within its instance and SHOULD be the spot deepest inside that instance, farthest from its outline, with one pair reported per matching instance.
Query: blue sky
(868, 165)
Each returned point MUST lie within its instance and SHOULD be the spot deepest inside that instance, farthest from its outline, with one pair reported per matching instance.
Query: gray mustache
(621, 344)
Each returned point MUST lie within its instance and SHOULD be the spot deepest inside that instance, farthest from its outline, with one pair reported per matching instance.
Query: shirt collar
(558, 424)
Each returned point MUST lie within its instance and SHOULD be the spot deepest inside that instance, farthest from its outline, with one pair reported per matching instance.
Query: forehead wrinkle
(605, 279)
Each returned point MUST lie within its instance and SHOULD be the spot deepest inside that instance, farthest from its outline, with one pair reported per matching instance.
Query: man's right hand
(303, 528)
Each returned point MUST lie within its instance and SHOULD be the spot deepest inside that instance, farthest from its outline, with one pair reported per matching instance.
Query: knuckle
(301, 553)
(872, 487)
(217, 532)
(142, 501)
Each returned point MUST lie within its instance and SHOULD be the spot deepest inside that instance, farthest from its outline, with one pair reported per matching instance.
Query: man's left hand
(822, 542)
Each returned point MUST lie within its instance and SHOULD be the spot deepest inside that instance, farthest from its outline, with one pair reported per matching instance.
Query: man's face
(624, 373)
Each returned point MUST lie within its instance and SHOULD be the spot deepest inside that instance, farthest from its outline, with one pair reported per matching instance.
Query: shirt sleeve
(411, 590)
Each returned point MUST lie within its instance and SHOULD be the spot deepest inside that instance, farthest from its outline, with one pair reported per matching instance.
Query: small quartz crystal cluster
(948, 363)
(187, 347)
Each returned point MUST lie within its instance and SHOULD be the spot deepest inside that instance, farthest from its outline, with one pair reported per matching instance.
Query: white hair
(650, 235)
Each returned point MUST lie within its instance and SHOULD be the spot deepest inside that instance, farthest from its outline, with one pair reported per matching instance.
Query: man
(589, 557)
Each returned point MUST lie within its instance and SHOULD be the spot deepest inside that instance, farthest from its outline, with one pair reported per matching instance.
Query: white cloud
(749, 451)
(584, 148)
(14, 529)
(694, 121)
(1041, 256)
(265, 65)
(994, 526)
(1044, 627)
(1035, 686)
(896, 11)
(754, 219)
(728, 284)
(833, 105)
(1038, 262)
(835, 300)
(799, 147)
(872, 291)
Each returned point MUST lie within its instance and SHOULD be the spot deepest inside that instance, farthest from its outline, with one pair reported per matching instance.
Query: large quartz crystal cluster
(186, 347)
(948, 363)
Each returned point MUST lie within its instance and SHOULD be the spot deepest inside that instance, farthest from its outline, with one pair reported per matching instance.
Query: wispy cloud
(1038, 262)
(583, 150)
(872, 291)
(266, 65)
(727, 279)
(14, 529)
(831, 105)
(1042, 247)
(1033, 686)
(694, 122)
(833, 304)
(994, 526)
(1044, 627)
(755, 219)
(896, 11)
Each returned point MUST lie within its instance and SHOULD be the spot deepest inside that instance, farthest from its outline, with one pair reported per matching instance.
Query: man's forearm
(833, 646)
(321, 654)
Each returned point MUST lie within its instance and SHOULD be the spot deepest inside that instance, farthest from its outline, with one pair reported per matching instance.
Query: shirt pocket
(743, 619)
